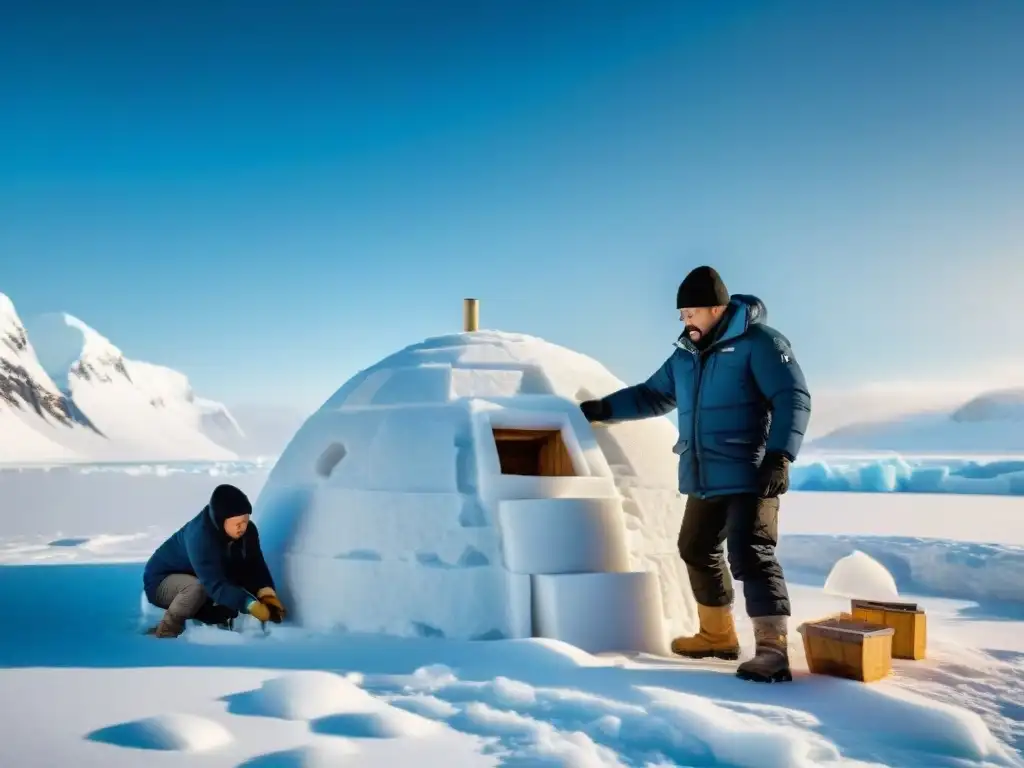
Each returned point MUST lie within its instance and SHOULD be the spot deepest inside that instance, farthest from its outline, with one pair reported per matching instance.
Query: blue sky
(270, 196)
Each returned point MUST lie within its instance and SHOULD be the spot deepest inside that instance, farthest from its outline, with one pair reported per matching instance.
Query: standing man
(743, 410)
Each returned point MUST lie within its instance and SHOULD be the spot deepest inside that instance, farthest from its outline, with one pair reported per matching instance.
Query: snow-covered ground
(79, 686)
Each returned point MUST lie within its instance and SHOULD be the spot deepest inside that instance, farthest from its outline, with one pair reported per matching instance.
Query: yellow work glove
(269, 598)
(259, 611)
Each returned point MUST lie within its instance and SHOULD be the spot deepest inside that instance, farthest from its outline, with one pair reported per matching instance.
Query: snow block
(412, 448)
(520, 606)
(547, 536)
(601, 612)
(408, 598)
(678, 606)
(402, 385)
(481, 382)
(420, 384)
(384, 448)
(386, 525)
(537, 487)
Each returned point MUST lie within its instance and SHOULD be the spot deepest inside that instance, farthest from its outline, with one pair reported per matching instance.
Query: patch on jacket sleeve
(785, 351)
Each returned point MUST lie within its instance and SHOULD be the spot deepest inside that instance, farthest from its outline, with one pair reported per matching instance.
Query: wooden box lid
(878, 605)
(844, 630)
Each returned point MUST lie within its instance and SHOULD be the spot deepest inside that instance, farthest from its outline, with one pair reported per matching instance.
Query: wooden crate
(906, 619)
(842, 646)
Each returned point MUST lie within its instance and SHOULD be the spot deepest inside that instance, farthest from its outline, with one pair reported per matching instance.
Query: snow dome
(455, 490)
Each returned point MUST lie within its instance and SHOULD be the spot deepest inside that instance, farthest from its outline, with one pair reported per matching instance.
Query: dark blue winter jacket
(741, 397)
(230, 570)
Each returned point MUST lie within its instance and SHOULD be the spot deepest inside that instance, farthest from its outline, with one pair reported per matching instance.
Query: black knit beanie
(228, 501)
(703, 287)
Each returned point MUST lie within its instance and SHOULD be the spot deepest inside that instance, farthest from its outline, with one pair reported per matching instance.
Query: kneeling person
(212, 569)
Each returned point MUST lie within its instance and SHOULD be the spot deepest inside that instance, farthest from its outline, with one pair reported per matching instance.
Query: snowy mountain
(1004, 405)
(28, 396)
(218, 423)
(67, 393)
(267, 429)
(990, 422)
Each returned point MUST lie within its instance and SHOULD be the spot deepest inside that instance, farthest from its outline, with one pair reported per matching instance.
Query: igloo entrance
(533, 452)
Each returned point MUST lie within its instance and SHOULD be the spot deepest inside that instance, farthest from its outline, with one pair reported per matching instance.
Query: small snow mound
(327, 753)
(513, 693)
(564, 654)
(304, 696)
(860, 576)
(169, 732)
(387, 722)
(433, 676)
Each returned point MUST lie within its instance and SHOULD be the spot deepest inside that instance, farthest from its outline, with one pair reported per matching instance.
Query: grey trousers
(183, 597)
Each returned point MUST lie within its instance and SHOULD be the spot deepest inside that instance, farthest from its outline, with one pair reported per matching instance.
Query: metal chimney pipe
(470, 315)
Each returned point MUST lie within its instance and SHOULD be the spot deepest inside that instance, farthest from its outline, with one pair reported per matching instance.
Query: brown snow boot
(716, 638)
(770, 663)
(169, 626)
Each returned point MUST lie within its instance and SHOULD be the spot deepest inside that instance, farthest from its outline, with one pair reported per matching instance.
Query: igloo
(455, 490)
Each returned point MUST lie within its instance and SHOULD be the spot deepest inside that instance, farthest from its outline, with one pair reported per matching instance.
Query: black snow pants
(750, 527)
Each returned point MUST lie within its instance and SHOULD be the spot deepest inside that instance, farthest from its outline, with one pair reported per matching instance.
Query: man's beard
(689, 329)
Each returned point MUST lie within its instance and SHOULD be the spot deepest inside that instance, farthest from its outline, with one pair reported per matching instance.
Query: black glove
(595, 410)
(773, 475)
